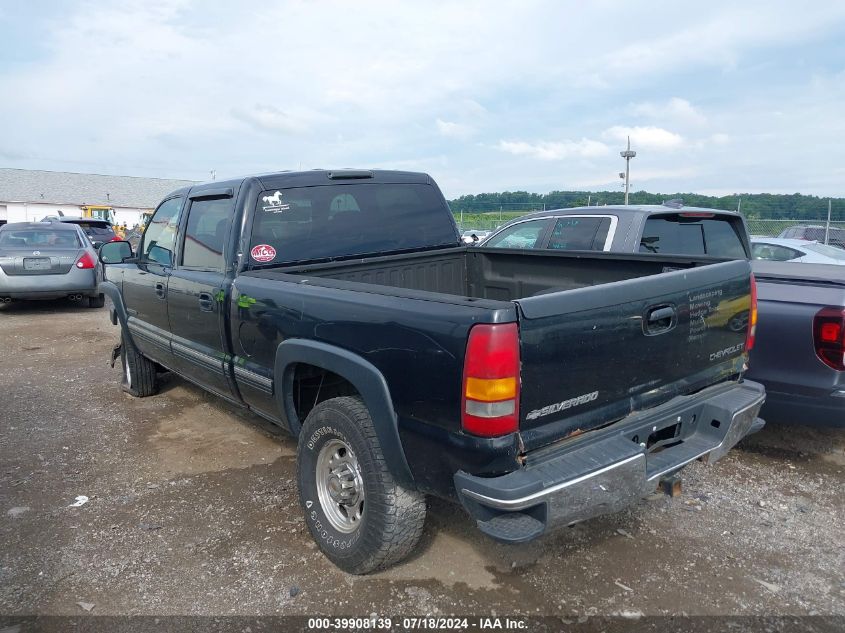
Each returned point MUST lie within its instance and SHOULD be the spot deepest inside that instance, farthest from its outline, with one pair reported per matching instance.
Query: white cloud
(555, 150)
(645, 137)
(675, 109)
(450, 129)
(273, 119)
(174, 88)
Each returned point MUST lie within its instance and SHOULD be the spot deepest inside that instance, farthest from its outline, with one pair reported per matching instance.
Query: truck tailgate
(593, 355)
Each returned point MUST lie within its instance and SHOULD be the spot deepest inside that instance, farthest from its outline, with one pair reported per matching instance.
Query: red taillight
(116, 238)
(829, 337)
(85, 262)
(490, 402)
(752, 317)
(696, 214)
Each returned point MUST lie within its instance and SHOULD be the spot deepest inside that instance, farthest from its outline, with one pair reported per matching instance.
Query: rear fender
(367, 380)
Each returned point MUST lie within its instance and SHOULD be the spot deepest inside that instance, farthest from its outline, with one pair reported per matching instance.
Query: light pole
(628, 154)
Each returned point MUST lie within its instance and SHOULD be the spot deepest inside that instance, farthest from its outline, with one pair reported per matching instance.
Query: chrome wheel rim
(340, 487)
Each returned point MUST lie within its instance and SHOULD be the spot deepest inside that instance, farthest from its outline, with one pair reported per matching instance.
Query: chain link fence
(808, 229)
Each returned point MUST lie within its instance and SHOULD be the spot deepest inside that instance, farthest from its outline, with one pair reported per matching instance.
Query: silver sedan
(48, 260)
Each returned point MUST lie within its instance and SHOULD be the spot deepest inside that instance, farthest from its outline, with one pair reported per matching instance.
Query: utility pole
(628, 154)
(827, 226)
(214, 174)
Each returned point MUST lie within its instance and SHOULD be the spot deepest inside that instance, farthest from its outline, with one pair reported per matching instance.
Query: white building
(29, 195)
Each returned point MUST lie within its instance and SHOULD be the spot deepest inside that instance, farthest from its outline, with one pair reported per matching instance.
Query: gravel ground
(192, 509)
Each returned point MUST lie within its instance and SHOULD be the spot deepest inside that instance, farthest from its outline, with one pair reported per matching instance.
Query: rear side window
(206, 233)
(522, 235)
(333, 221)
(675, 234)
(579, 234)
(773, 252)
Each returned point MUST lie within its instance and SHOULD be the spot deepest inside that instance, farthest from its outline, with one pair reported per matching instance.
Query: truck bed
(577, 312)
(494, 274)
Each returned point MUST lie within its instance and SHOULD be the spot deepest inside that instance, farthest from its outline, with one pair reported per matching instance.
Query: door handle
(659, 319)
(206, 301)
(661, 313)
(160, 291)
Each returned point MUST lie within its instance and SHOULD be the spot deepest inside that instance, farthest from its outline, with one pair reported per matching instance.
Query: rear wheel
(139, 372)
(358, 514)
(97, 301)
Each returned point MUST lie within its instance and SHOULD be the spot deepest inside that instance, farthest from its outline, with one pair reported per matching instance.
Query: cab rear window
(677, 234)
(336, 221)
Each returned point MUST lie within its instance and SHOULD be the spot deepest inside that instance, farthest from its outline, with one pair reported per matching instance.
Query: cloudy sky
(717, 97)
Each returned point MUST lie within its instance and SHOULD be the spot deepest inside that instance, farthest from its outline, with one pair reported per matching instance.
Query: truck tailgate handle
(660, 319)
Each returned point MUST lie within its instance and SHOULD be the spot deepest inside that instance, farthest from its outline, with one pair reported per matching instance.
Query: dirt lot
(193, 510)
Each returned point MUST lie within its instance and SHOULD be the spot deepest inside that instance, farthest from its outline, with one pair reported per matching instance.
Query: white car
(781, 249)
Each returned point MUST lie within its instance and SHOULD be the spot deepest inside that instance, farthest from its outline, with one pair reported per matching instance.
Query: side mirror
(96, 245)
(115, 252)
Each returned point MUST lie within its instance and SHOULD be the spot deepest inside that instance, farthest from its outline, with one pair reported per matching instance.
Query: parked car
(408, 364)
(815, 233)
(800, 350)
(778, 249)
(98, 231)
(48, 260)
(657, 229)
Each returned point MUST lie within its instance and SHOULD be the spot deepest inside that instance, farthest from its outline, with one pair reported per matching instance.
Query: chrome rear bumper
(607, 470)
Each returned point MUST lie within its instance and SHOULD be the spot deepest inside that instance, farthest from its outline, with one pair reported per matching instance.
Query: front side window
(522, 235)
(159, 241)
(206, 233)
(579, 234)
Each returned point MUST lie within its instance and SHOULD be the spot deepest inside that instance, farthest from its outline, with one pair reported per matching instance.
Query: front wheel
(359, 515)
(139, 372)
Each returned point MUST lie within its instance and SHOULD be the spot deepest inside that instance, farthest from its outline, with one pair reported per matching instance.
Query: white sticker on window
(274, 203)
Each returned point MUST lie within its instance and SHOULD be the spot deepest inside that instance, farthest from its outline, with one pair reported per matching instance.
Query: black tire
(139, 372)
(391, 516)
(97, 301)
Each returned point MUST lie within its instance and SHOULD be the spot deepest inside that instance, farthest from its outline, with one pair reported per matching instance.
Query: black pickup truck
(537, 389)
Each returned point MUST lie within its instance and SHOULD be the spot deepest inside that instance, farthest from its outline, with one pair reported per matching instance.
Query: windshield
(39, 238)
(827, 251)
(331, 221)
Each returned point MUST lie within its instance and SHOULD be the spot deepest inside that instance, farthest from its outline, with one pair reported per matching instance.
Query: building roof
(60, 187)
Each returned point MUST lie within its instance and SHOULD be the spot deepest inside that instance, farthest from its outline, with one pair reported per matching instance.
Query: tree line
(753, 205)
